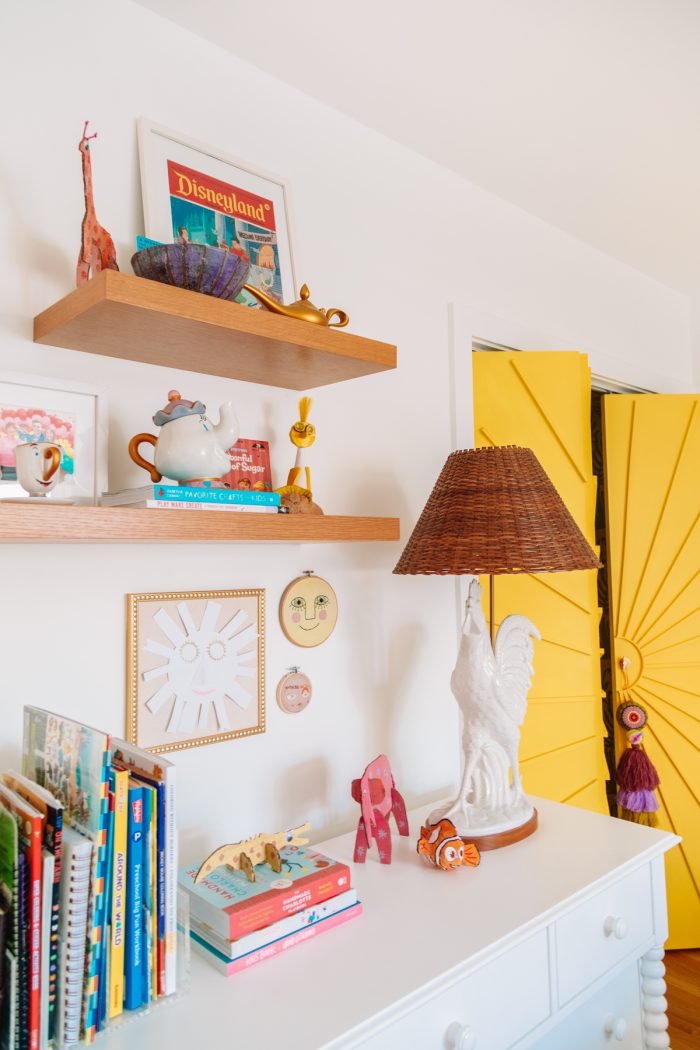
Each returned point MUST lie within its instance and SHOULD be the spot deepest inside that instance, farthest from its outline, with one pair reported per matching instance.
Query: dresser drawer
(609, 1020)
(602, 931)
(500, 1003)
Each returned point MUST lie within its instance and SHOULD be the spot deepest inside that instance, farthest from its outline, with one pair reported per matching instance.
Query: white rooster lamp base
(491, 687)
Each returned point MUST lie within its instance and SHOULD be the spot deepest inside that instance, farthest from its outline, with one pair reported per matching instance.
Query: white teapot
(189, 448)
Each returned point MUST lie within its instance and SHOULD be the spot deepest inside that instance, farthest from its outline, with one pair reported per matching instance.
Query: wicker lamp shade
(494, 510)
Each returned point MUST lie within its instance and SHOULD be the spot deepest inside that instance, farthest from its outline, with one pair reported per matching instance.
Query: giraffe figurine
(96, 247)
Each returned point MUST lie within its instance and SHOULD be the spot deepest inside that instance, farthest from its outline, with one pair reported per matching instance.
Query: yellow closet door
(652, 486)
(542, 401)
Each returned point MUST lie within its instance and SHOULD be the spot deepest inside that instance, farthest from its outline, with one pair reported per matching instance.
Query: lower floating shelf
(21, 523)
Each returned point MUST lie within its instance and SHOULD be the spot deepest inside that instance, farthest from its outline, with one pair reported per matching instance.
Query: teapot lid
(177, 407)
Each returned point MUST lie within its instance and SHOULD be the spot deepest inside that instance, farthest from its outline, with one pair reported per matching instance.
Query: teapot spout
(227, 429)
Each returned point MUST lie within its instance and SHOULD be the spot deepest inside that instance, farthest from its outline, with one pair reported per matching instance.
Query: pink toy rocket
(377, 794)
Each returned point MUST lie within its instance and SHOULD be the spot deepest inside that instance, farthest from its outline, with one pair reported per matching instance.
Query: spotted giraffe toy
(96, 246)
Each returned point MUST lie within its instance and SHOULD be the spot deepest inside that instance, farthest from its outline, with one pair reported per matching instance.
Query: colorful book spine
(170, 885)
(48, 864)
(160, 844)
(96, 942)
(30, 833)
(120, 781)
(228, 508)
(133, 959)
(54, 836)
(188, 494)
(232, 966)
(154, 898)
(103, 992)
(147, 794)
(9, 897)
(22, 1035)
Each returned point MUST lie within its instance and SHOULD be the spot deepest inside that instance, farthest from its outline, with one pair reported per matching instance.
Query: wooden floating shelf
(119, 315)
(22, 523)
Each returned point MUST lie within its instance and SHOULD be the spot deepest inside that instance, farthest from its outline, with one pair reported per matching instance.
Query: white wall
(380, 232)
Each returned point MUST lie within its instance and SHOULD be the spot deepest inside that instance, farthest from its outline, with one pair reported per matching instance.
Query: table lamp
(493, 510)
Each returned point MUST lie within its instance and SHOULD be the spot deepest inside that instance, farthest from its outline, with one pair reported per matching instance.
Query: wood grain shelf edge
(20, 523)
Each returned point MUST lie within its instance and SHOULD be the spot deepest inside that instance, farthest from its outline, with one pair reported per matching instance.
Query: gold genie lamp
(303, 309)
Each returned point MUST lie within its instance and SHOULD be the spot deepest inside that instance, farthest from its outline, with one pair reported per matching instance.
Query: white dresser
(554, 943)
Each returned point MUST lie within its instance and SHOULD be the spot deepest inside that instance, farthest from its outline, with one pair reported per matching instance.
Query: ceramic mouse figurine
(189, 448)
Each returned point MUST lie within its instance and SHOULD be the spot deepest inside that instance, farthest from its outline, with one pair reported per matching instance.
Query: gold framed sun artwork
(195, 667)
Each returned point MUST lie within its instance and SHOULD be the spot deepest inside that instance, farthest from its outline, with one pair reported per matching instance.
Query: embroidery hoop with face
(308, 611)
(294, 691)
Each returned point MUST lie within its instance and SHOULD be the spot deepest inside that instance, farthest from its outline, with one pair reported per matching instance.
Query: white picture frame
(84, 410)
(235, 183)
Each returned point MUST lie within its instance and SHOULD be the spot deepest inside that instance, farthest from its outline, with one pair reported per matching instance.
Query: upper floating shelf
(118, 315)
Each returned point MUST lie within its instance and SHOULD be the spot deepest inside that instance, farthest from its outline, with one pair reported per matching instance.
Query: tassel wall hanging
(636, 776)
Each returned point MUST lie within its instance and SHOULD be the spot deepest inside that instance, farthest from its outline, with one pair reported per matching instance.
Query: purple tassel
(638, 801)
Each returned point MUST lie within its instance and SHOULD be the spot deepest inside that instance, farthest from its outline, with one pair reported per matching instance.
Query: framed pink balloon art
(196, 667)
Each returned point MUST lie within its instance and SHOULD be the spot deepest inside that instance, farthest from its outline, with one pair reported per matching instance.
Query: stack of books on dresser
(192, 497)
(88, 883)
(235, 923)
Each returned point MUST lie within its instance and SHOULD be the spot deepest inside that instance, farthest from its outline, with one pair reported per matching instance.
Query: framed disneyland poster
(193, 192)
(196, 667)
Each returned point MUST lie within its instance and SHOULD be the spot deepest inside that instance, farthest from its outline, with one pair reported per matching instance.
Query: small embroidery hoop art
(306, 574)
(285, 684)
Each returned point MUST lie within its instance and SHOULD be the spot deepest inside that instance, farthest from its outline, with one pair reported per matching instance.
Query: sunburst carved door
(542, 401)
(652, 485)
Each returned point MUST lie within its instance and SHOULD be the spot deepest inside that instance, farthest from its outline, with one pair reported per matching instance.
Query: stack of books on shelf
(88, 883)
(235, 923)
(187, 497)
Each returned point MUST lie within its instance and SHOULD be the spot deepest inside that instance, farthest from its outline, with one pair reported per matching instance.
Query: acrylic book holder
(183, 974)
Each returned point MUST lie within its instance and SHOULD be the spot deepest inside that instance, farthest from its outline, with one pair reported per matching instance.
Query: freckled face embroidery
(308, 611)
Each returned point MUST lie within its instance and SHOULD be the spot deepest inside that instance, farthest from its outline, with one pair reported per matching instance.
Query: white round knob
(615, 927)
(460, 1037)
(615, 1027)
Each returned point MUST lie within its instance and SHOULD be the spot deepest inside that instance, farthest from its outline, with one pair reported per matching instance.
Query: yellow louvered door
(542, 401)
(652, 493)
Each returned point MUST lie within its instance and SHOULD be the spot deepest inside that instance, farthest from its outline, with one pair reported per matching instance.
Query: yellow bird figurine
(302, 435)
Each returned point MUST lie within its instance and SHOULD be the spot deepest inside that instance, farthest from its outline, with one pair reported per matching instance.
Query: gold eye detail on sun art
(216, 650)
(189, 651)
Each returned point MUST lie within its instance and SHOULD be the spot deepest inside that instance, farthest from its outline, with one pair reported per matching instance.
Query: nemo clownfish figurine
(442, 846)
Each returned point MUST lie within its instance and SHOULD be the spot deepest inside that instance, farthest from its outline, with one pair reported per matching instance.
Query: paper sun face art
(196, 671)
(308, 611)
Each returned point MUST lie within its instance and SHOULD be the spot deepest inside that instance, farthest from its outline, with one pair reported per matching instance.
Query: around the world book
(233, 907)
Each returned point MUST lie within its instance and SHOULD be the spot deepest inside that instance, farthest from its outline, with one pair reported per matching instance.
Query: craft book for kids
(234, 907)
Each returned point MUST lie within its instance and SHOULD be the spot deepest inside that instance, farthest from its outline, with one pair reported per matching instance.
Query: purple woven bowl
(197, 267)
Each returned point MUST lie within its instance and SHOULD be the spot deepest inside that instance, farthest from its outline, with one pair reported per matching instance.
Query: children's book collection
(88, 884)
(89, 888)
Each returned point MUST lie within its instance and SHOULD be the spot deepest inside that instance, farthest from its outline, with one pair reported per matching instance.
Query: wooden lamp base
(504, 838)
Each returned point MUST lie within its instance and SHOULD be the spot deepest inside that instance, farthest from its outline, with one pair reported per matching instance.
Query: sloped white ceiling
(583, 112)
